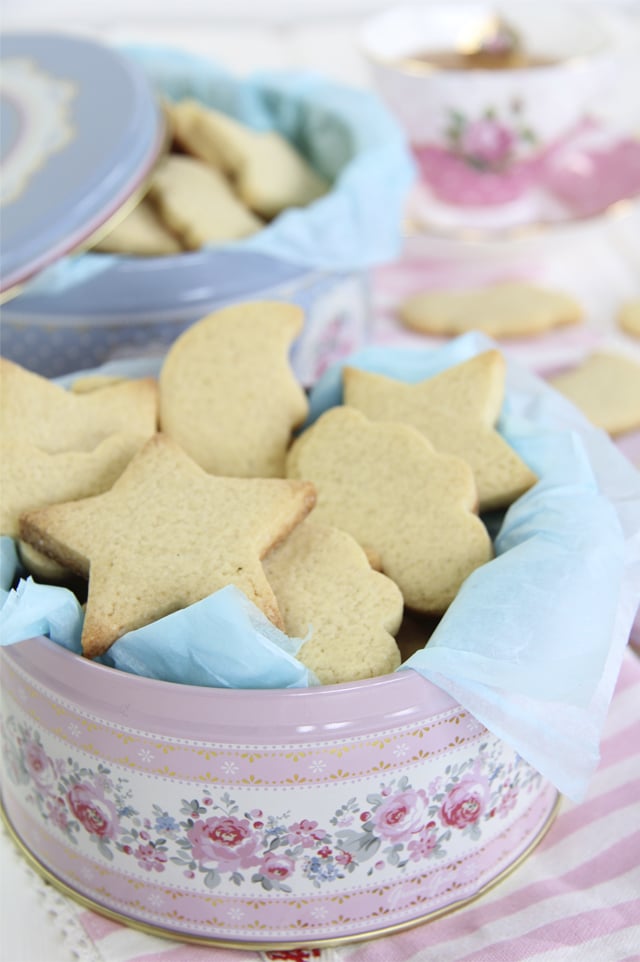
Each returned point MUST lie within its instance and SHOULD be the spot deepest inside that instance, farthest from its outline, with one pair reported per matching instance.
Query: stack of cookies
(159, 494)
(221, 181)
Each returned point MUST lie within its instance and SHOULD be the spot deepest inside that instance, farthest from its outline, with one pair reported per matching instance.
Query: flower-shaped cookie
(325, 586)
(385, 484)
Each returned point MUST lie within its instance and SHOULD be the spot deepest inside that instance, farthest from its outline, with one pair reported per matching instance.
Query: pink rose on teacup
(487, 142)
(94, 812)
(465, 802)
(401, 815)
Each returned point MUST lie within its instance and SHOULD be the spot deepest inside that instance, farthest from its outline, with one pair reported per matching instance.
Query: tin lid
(80, 130)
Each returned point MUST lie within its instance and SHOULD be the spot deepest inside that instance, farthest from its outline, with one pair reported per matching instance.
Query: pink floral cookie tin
(258, 818)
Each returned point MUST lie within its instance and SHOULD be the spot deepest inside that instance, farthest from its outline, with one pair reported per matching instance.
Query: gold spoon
(492, 44)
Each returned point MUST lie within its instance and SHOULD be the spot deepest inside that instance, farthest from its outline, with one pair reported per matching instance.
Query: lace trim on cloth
(60, 911)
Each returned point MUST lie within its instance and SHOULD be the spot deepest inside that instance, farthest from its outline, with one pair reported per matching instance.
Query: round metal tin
(80, 130)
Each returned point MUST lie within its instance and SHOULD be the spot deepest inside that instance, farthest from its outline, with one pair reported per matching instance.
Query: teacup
(479, 122)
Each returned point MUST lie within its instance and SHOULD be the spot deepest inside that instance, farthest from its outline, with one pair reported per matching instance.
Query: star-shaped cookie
(37, 410)
(166, 535)
(385, 484)
(31, 478)
(457, 411)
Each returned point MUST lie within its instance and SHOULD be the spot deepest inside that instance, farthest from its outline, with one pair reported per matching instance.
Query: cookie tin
(258, 819)
(80, 133)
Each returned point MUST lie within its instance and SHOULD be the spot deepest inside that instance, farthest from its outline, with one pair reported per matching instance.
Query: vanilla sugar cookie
(268, 173)
(32, 478)
(39, 566)
(94, 382)
(606, 388)
(166, 535)
(324, 584)
(385, 484)
(629, 317)
(142, 232)
(227, 391)
(457, 411)
(34, 409)
(198, 204)
(502, 310)
(212, 136)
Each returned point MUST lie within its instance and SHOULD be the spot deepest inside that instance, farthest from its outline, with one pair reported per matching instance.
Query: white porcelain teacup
(479, 132)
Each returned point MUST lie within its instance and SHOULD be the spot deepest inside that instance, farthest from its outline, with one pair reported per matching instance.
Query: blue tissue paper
(533, 642)
(223, 641)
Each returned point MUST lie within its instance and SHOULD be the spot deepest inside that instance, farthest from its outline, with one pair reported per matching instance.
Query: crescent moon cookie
(606, 388)
(501, 310)
(385, 484)
(324, 584)
(457, 411)
(166, 535)
(227, 391)
(35, 409)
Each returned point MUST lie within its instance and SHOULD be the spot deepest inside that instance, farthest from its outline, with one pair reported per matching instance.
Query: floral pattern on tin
(212, 839)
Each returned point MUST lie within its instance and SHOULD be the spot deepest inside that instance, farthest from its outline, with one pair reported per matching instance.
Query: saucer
(592, 173)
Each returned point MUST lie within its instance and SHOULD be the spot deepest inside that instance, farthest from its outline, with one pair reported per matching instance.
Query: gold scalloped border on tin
(160, 932)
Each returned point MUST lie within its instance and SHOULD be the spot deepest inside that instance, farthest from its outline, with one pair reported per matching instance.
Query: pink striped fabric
(576, 899)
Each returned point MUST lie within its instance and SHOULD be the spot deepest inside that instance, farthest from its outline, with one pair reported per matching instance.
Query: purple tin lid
(80, 130)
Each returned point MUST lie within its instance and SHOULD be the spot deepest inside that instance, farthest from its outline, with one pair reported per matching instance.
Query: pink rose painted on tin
(465, 802)
(402, 815)
(39, 766)
(94, 812)
(224, 840)
(276, 867)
